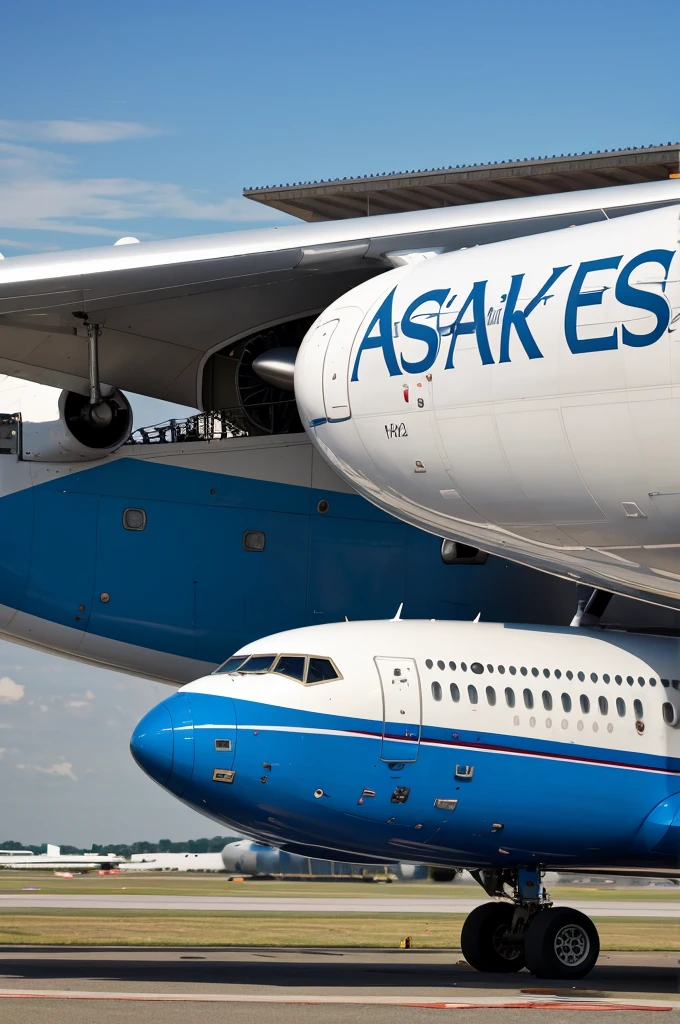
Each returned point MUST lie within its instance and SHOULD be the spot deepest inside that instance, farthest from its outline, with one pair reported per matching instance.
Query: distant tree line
(214, 845)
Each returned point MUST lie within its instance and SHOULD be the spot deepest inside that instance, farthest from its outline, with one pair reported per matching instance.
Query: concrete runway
(161, 986)
(322, 905)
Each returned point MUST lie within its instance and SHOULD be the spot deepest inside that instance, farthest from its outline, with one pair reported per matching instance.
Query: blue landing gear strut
(526, 930)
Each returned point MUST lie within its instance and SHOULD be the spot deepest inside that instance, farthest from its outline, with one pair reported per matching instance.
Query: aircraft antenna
(397, 617)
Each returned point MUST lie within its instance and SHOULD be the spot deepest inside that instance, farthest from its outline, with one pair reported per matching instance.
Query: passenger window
(291, 666)
(512, 670)
(585, 704)
(509, 697)
(581, 676)
(455, 692)
(668, 712)
(436, 691)
(547, 700)
(523, 670)
(630, 680)
(472, 694)
(258, 663)
(641, 680)
(603, 705)
(618, 680)
(666, 683)
(652, 681)
(593, 677)
(566, 702)
(491, 696)
(463, 666)
(528, 699)
(620, 707)
(501, 669)
(254, 540)
(637, 709)
(534, 671)
(231, 664)
(569, 674)
(605, 677)
(441, 666)
(320, 670)
(428, 663)
(452, 666)
(476, 668)
(489, 668)
(546, 673)
(134, 519)
(557, 674)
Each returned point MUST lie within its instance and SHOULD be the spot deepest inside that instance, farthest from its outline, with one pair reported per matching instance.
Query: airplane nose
(152, 744)
(163, 743)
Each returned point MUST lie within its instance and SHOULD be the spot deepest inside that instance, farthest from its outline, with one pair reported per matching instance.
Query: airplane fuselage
(456, 744)
(521, 397)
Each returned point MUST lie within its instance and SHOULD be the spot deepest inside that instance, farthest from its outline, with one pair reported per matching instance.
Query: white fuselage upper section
(521, 396)
(614, 690)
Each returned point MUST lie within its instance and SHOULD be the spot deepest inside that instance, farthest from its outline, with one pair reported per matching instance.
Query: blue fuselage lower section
(185, 585)
(309, 780)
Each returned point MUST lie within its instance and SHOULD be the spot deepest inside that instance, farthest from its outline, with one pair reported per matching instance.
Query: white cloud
(89, 694)
(75, 131)
(76, 704)
(61, 767)
(2, 752)
(10, 692)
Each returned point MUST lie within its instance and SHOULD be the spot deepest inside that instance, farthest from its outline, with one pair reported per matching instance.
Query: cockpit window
(231, 664)
(257, 663)
(320, 670)
(292, 666)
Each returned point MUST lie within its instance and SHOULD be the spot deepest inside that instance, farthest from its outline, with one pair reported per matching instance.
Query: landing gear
(561, 943)
(486, 939)
(527, 931)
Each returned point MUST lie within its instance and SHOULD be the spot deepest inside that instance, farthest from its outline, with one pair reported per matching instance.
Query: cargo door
(400, 686)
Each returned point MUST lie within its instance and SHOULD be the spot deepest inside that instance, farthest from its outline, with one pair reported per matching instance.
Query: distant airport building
(397, 192)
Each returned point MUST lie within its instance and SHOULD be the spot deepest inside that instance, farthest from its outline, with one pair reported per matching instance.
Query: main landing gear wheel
(561, 943)
(484, 939)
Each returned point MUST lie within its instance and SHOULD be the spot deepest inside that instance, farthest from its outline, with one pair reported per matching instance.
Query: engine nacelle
(250, 858)
(62, 426)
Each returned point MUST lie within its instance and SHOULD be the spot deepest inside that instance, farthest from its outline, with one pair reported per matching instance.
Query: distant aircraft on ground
(160, 557)
(25, 860)
(507, 750)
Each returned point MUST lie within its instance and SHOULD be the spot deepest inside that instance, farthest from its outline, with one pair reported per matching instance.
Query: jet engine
(63, 426)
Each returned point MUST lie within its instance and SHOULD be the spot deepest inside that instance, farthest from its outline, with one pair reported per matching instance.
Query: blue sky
(148, 118)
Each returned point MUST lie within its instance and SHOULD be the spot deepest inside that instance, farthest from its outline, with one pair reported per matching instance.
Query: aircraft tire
(481, 939)
(561, 943)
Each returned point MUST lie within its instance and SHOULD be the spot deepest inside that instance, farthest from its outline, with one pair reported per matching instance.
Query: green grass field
(188, 928)
(177, 884)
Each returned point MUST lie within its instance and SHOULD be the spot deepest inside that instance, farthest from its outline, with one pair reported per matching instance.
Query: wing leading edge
(164, 307)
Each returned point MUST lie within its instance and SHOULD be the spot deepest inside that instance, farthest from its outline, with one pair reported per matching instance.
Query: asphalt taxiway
(333, 986)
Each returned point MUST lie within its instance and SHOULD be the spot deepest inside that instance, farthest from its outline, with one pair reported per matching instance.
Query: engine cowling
(62, 426)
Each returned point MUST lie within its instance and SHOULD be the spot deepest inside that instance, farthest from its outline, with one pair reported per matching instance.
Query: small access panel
(402, 709)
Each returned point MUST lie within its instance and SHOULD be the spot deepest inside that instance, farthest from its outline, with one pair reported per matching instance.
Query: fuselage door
(401, 708)
(341, 334)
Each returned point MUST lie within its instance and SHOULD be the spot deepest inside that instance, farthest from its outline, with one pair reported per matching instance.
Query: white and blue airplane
(508, 750)
(159, 557)
(521, 397)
